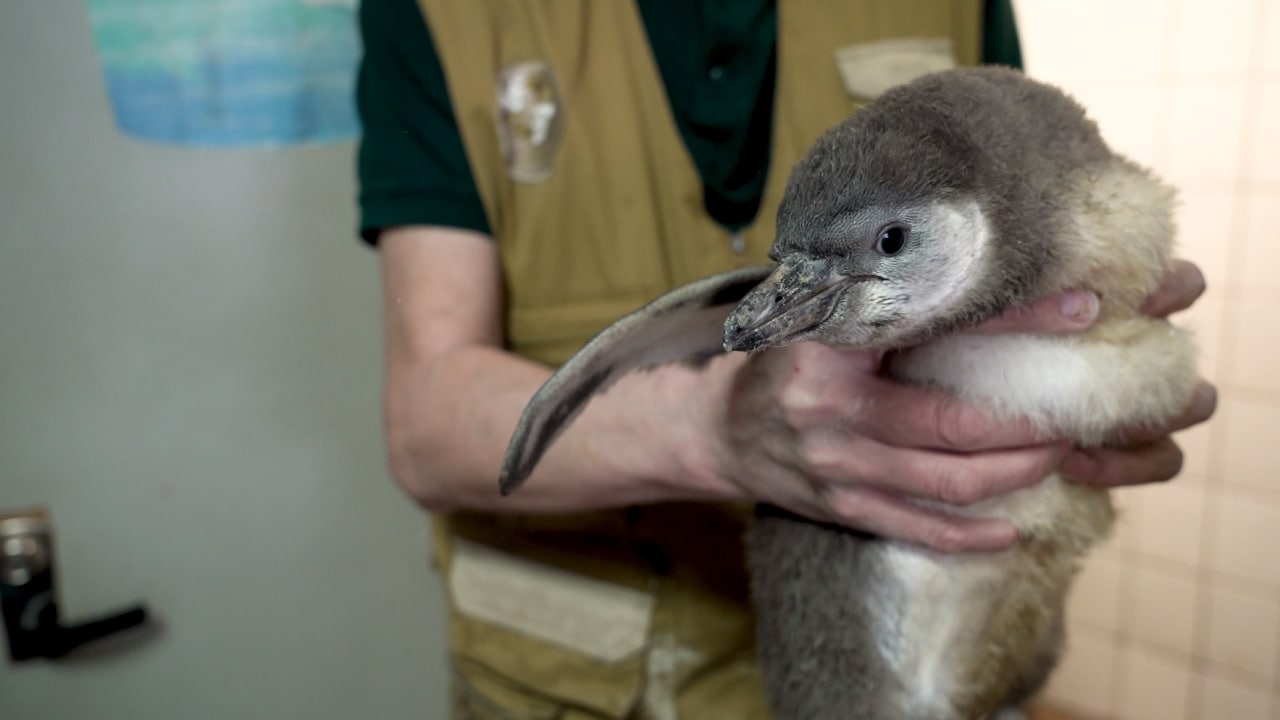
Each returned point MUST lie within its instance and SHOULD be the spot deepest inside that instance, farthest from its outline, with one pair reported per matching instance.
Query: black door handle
(29, 601)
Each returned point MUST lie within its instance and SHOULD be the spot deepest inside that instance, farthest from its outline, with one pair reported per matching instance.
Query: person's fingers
(1066, 312)
(951, 478)
(1203, 403)
(1181, 287)
(911, 416)
(890, 517)
(1075, 310)
(1113, 467)
(964, 479)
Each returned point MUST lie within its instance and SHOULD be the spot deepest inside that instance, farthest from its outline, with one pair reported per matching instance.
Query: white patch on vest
(529, 120)
(868, 69)
(602, 620)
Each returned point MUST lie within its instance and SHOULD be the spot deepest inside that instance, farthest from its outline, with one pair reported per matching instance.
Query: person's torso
(598, 207)
(590, 190)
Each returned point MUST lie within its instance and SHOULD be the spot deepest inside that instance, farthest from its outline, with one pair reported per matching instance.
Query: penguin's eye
(892, 239)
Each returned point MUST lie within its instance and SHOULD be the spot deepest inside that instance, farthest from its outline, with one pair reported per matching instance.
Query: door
(189, 384)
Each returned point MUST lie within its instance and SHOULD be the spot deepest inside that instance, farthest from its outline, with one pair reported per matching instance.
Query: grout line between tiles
(1227, 352)
(1201, 610)
(1258, 80)
(1216, 485)
(1193, 697)
(1246, 678)
(1253, 111)
(1244, 490)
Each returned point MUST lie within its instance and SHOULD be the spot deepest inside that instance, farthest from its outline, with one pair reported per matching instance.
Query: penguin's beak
(797, 298)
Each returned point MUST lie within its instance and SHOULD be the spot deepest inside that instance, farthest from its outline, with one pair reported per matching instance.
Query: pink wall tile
(1249, 446)
(1135, 37)
(1161, 607)
(1205, 123)
(1126, 115)
(1212, 39)
(1246, 542)
(1095, 595)
(1230, 698)
(1155, 687)
(1270, 55)
(1244, 632)
(1192, 89)
(1195, 448)
(1259, 242)
(1264, 162)
(1085, 681)
(1256, 350)
(1052, 33)
(1251, 431)
(1256, 354)
(1170, 523)
(1204, 320)
(1205, 220)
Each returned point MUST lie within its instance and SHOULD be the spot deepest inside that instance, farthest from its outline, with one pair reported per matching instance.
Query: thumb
(1065, 312)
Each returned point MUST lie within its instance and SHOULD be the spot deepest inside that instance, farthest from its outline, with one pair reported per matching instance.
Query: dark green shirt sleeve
(1000, 45)
(412, 167)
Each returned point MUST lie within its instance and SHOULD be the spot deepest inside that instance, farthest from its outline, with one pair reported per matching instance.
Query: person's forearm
(449, 424)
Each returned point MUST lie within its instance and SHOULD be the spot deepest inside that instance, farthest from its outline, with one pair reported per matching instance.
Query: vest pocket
(479, 694)
(531, 641)
(869, 69)
(595, 615)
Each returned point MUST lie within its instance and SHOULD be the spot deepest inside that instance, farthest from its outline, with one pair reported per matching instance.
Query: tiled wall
(1178, 617)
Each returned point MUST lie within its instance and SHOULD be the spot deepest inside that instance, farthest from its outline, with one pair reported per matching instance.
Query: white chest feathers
(1122, 374)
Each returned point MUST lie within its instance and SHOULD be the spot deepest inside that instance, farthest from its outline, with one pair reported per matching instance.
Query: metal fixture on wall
(28, 594)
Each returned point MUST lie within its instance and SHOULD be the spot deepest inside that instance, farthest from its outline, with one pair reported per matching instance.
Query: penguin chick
(939, 205)
(942, 204)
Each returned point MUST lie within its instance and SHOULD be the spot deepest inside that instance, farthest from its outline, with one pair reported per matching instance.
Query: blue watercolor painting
(230, 72)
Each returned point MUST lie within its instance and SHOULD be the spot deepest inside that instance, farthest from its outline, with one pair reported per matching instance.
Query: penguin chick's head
(887, 233)
(898, 272)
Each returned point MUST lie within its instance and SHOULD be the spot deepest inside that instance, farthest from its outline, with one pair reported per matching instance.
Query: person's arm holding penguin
(454, 396)
(814, 430)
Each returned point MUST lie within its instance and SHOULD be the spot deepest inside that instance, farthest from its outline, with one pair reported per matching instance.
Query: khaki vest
(618, 221)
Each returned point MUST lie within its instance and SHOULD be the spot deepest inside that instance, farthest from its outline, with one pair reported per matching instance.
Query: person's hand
(1150, 454)
(823, 433)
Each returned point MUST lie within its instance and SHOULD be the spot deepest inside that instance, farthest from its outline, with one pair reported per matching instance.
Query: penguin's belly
(858, 626)
(983, 627)
(971, 629)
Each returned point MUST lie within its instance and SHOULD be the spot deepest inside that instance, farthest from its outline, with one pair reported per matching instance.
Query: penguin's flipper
(685, 325)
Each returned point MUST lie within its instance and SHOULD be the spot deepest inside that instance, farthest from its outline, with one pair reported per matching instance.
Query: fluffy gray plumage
(941, 204)
(1017, 148)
